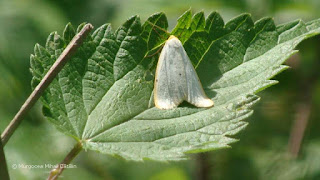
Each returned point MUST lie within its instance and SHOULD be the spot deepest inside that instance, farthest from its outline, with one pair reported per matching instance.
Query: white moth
(176, 79)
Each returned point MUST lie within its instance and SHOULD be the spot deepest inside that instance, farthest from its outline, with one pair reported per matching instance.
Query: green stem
(55, 173)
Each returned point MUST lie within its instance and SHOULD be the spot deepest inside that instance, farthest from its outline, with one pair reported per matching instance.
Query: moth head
(174, 41)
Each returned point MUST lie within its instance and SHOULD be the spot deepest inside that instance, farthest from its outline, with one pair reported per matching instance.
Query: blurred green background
(268, 147)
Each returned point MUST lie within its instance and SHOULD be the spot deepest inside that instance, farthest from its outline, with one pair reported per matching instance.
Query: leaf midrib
(219, 120)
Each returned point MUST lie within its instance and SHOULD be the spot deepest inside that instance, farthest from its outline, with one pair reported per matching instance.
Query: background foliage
(262, 152)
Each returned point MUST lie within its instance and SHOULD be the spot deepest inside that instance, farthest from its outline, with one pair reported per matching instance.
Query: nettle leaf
(187, 25)
(103, 96)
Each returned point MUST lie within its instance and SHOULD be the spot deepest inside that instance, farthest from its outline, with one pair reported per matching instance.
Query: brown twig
(3, 165)
(302, 115)
(55, 173)
(47, 79)
(303, 109)
(303, 112)
(299, 127)
(203, 163)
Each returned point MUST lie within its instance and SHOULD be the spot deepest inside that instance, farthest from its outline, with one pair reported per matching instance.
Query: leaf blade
(103, 97)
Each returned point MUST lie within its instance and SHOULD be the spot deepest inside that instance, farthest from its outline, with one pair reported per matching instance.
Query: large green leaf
(103, 96)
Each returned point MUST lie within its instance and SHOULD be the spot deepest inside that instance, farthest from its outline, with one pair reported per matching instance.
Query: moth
(176, 79)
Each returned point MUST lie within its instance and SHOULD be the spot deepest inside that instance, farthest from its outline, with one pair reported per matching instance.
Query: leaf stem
(45, 82)
(55, 173)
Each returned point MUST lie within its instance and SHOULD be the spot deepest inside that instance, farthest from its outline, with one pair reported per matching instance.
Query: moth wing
(170, 80)
(176, 79)
(195, 92)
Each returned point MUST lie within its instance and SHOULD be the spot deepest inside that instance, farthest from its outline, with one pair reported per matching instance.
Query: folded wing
(176, 79)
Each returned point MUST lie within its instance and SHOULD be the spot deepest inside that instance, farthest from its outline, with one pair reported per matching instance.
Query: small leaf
(214, 25)
(181, 29)
(103, 97)
(187, 25)
(68, 33)
(198, 22)
(155, 30)
(265, 38)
